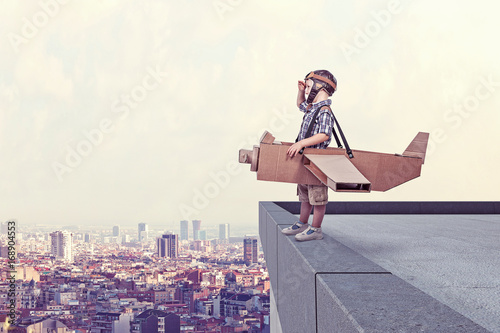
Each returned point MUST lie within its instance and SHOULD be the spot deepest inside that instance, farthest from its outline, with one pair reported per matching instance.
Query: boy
(312, 95)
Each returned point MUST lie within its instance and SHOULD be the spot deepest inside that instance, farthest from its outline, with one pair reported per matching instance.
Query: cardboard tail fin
(418, 146)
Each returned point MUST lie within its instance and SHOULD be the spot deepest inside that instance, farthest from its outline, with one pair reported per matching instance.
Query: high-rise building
(116, 231)
(125, 239)
(4, 228)
(250, 250)
(4, 251)
(196, 229)
(62, 245)
(142, 232)
(203, 235)
(184, 230)
(168, 246)
(87, 238)
(224, 231)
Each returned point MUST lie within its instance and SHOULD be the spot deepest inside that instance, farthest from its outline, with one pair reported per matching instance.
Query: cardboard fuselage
(365, 172)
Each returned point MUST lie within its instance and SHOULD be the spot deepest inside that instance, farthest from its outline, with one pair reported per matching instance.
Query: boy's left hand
(294, 149)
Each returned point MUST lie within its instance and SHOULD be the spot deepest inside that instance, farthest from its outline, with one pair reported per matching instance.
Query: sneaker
(296, 228)
(309, 234)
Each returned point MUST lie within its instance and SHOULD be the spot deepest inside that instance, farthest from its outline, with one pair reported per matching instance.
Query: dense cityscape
(124, 280)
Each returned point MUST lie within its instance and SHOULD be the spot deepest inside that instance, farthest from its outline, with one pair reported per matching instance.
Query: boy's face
(309, 85)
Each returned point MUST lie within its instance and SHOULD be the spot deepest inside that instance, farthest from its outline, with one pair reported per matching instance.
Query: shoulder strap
(347, 148)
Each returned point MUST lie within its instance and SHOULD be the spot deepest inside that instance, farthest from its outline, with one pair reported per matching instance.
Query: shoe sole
(307, 239)
(291, 233)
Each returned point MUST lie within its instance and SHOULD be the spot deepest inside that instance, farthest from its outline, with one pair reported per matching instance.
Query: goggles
(321, 78)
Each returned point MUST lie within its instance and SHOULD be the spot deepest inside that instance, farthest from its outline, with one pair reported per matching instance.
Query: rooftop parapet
(326, 286)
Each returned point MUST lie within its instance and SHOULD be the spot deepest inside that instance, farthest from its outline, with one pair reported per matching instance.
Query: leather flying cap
(312, 75)
(322, 79)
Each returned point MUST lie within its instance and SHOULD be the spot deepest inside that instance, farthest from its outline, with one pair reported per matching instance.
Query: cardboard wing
(367, 171)
(337, 172)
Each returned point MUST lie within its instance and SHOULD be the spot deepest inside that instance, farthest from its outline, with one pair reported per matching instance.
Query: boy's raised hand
(301, 94)
(302, 85)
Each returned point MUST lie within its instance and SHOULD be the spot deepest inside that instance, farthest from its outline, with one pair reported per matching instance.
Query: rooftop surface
(377, 272)
(454, 259)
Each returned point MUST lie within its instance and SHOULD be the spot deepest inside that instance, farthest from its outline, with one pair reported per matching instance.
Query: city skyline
(129, 231)
(89, 234)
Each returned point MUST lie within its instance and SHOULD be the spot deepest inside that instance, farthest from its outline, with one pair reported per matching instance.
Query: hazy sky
(120, 112)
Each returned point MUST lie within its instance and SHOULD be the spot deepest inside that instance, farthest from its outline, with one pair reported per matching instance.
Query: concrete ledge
(402, 207)
(324, 286)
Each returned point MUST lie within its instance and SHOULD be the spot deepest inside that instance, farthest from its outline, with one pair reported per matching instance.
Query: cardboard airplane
(366, 171)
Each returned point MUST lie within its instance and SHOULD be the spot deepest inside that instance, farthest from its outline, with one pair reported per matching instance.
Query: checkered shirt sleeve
(303, 107)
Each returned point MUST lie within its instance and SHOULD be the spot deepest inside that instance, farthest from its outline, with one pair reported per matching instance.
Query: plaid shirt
(324, 122)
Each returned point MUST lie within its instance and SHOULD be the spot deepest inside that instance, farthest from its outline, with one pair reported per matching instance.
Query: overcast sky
(120, 112)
